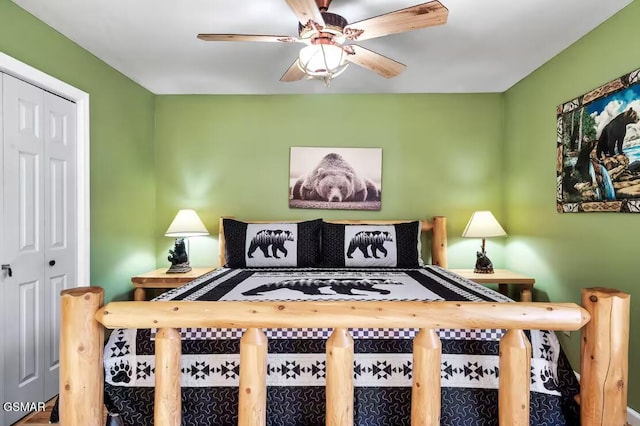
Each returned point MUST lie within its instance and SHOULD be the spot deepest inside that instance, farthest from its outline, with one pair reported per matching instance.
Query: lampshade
(483, 225)
(322, 61)
(186, 224)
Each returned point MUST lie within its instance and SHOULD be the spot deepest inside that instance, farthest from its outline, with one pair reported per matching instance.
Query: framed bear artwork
(598, 149)
(335, 178)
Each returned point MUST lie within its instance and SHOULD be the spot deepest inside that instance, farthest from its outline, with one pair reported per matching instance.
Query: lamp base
(179, 258)
(179, 268)
(484, 270)
(483, 263)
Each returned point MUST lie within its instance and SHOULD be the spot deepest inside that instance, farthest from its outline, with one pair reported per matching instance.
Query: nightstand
(504, 278)
(160, 279)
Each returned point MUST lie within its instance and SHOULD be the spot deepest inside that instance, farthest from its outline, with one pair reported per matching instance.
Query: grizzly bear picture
(334, 180)
(613, 134)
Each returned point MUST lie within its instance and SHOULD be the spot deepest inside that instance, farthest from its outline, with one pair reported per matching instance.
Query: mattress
(296, 360)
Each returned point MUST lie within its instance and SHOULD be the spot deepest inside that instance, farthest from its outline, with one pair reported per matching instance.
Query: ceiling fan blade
(412, 18)
(247, 37)
(306, 10)
(375, 62)
(294, 73)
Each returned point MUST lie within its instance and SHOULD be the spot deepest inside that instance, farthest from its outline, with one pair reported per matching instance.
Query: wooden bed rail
(604, 321)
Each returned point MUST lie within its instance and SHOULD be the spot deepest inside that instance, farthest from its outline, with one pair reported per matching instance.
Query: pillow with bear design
(272, 244)
(367, 245)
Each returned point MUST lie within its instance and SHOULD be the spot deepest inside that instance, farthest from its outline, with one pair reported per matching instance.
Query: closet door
(2, 258)
(24, 238)
(39, 206)
(59, 224)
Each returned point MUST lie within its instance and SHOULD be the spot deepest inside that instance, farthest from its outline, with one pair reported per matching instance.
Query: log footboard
(604, 321)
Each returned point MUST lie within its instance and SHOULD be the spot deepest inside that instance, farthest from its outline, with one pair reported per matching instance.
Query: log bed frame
(603, 319)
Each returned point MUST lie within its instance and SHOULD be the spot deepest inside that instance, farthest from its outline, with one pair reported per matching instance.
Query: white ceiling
(486, 45)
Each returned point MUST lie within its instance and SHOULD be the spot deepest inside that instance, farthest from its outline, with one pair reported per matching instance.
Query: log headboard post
(439, 241)
(437, 226)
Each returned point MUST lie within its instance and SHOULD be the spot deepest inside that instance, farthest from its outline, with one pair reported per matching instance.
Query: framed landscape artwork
(598, 149)
(335, 178)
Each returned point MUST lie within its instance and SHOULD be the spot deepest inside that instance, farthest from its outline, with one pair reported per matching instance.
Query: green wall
(122, 164)
(566, 252)
(229, 156)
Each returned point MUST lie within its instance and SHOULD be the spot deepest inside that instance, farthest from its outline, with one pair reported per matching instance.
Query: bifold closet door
(39, 231)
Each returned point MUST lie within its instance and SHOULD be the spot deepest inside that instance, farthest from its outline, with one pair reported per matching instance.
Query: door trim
(38, 78)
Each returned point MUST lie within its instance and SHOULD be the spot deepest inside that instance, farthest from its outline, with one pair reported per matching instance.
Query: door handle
(52, 262)
(7, 268)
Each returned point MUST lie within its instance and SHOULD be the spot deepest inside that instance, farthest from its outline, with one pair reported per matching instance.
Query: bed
(366, 335)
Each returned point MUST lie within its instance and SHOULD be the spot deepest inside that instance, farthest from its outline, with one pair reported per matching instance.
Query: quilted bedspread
(296, 361)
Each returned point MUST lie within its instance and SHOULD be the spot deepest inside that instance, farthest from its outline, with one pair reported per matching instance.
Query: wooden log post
(425, 393)
(168, 403)
(81, 345)
(252, 398)
(339, 388)
(604, 347)
(515, 379)
(439, 241)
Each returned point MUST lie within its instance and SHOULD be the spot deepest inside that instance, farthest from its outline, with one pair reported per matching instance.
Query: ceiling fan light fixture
(322, 61)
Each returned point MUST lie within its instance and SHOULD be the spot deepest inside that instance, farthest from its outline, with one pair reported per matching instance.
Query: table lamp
(483, 225)
(186, 224)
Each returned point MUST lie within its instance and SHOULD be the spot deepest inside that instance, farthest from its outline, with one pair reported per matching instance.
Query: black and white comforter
(296, 362)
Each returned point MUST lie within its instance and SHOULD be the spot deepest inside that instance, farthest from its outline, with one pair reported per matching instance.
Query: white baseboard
(633, 417)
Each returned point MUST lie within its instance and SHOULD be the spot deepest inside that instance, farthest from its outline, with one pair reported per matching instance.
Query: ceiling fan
(327, 36)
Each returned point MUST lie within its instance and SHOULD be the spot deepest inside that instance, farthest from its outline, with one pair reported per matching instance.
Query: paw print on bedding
(548, 379)
(121, 372)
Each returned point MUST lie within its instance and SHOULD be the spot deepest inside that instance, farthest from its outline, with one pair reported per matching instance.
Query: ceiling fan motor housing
(334, 24)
